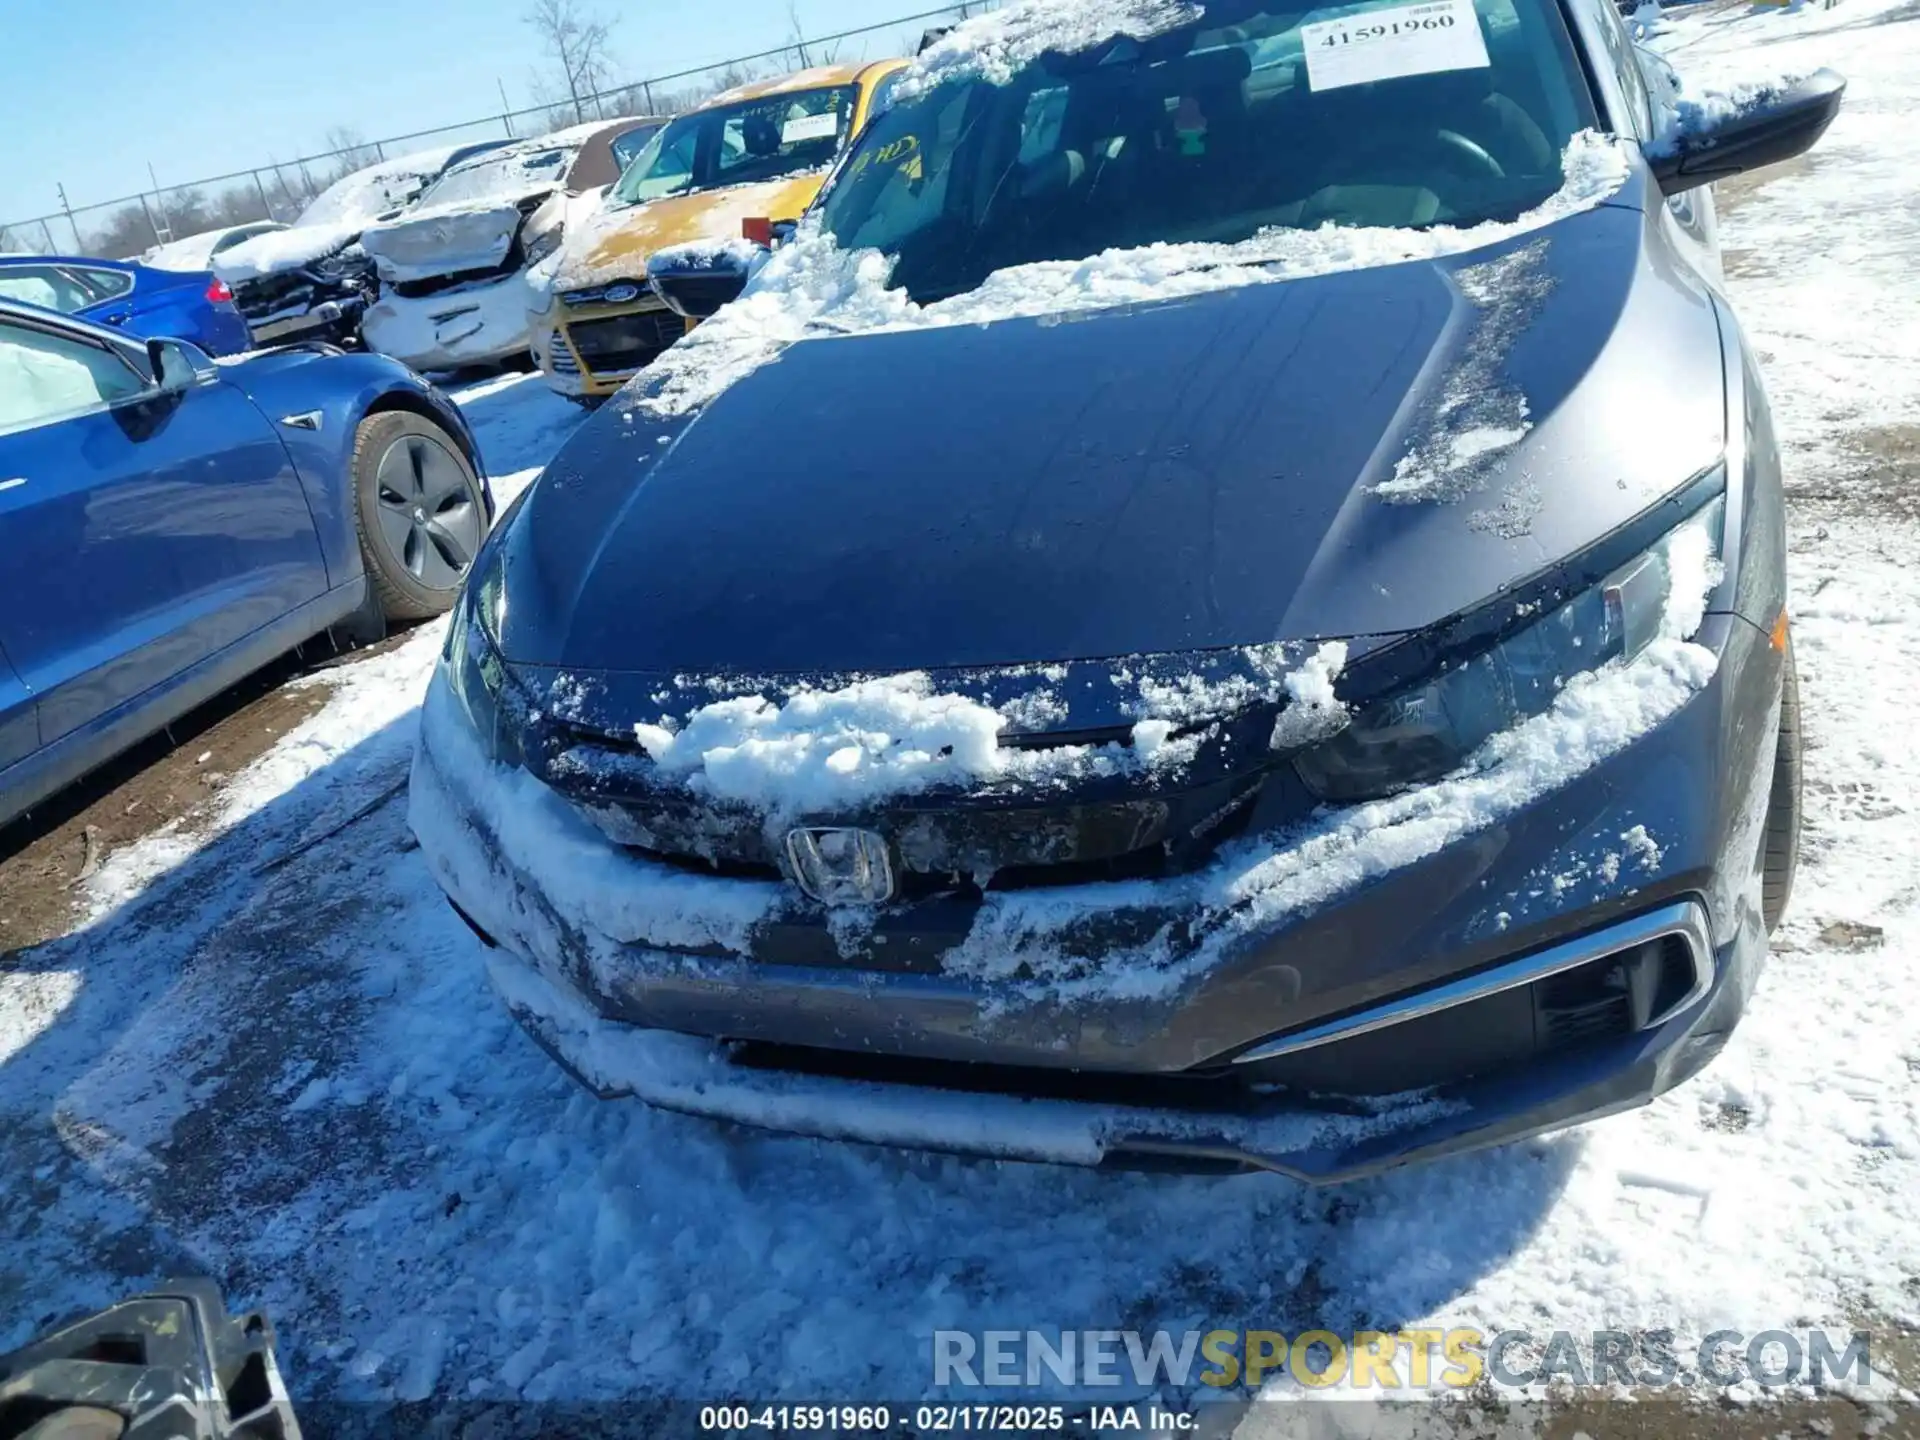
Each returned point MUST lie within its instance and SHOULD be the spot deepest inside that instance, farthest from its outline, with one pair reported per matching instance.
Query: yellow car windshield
(756, 140)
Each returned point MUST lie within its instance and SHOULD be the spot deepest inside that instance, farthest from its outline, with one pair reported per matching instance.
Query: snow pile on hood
(1029, 939)
(994, 47)
(192, 252)
(1313, 713)
(335, 218)
(570, 267)
(835, 751)
(811, 288)
(735, 253)
(1477, 415)
(284, 250)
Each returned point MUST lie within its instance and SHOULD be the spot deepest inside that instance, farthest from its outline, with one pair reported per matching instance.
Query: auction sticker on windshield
(1390, 43)
(810, 127)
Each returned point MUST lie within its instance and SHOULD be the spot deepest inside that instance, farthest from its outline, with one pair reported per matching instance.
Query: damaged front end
(1112, 896)
(454, 291)
(323, 299)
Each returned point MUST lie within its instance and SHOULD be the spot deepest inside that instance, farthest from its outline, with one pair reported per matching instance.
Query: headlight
(541, 246)
(475, 671)
(1422, 734)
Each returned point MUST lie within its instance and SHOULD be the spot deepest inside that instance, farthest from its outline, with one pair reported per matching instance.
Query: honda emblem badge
(841, 867)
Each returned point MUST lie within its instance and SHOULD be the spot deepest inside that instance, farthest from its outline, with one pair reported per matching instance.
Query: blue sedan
(169, 525)
(142, 300)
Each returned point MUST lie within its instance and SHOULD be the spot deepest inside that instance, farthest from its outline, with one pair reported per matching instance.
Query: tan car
(761, 150)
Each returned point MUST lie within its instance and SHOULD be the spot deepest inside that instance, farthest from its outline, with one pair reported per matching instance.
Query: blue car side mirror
(178, 366)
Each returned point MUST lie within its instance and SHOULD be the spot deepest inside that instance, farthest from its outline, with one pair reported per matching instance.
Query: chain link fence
(279, 190)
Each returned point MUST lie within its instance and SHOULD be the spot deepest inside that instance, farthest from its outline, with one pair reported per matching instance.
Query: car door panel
(150, 536)
(19, 729)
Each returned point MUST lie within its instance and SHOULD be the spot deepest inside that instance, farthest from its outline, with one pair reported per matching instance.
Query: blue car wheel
(419, 511)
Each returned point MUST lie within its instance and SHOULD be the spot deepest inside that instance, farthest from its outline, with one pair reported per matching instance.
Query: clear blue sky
(97, 89)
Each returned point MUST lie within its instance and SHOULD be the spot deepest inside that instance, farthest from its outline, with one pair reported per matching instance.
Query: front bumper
(601, 347)
(473, 325)
(335, 321)
(606, 968)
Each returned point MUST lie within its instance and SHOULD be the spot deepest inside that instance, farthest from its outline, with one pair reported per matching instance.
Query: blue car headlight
(1429, 731)
(475, 671)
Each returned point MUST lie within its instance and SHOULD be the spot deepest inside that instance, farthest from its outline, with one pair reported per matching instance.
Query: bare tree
(578, 41)
(124, 234)
(811, 52)
(350, 151)
(798, 33)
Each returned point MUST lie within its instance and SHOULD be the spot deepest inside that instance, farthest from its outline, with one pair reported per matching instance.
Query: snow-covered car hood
(616, 244)
(1356, 453)
(283, 250)
(469, 235)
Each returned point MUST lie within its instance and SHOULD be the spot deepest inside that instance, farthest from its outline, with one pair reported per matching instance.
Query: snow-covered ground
(293, 1076)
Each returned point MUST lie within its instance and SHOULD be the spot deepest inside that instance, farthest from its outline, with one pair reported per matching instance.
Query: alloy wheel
(430, 519)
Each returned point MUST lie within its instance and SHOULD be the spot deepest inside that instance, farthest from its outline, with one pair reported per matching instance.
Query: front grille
(268, 297)
(560, 356)
(272, 295)
(597, 294)
(962, 850)
(623, 343)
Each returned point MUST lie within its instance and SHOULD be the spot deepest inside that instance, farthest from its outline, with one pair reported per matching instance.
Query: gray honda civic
(1218, 602)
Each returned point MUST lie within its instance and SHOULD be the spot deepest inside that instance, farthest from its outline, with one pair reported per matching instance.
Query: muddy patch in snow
(1878, 477)
(165, 783)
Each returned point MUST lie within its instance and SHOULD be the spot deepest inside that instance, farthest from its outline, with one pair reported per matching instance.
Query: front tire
(419, 511)
(1781, 855)
(589, 402)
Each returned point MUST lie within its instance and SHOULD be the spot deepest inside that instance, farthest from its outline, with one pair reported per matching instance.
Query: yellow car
(761, 150)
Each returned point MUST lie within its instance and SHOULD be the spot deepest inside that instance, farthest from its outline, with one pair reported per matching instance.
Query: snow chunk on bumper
(830, 751)
(531, 834)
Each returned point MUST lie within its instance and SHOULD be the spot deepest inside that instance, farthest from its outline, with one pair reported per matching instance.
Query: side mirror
(695, 280)
(178, 366)
(1726, 139)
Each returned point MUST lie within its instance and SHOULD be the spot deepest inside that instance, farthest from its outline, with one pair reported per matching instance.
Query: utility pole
(506, 110)
(166, 220)
(67, 210)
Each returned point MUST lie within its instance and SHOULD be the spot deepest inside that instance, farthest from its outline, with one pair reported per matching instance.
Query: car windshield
(505, 172)
(1257, 115)
(755, 140)
(364, 195)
